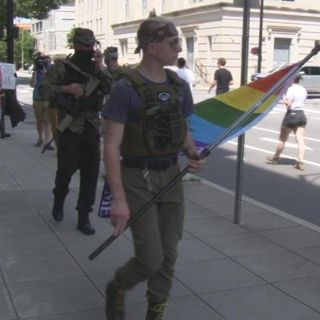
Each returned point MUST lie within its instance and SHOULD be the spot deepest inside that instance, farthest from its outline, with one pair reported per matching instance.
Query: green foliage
(70, 36)
(25, 40)
(3, 51)
(37, 9)
(30, 8)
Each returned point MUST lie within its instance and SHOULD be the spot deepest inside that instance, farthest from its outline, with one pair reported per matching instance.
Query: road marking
(288, 144)
(276, 131)
(306, 110)
(270, 152)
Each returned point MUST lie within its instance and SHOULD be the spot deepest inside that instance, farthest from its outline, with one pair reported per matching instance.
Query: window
(163, 5)
(190, 51)
(311, 71)
(144, 7)
(124, 47)
(52, 40)
(126, 9)
(281, 55)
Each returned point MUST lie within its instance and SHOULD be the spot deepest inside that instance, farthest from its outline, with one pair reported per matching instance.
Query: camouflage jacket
(61, 74)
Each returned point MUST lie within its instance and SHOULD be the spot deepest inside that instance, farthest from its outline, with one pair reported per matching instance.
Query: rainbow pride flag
(212, 117)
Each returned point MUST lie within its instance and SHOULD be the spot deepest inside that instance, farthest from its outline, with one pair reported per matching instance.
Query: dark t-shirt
(124, 104)
(223, 77)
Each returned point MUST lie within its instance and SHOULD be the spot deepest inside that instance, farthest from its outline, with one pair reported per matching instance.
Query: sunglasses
(174, 43)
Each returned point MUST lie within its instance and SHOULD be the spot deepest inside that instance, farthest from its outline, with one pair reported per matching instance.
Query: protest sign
(8, 75)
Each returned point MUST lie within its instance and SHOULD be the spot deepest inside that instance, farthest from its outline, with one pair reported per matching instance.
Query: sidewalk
(267, 268)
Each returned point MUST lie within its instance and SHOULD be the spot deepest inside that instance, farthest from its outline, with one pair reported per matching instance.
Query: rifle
(72, 107)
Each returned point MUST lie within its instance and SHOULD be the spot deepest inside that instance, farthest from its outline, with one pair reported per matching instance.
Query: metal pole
(241, 139)
(279, 84)
(260, 37)
(22, 51)
(10, 40)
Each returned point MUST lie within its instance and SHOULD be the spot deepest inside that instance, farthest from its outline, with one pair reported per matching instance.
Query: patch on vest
(164, 96)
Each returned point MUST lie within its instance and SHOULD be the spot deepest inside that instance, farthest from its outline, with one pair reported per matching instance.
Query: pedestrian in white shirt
(185, 73)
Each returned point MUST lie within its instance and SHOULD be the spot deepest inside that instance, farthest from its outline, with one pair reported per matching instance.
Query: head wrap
(154, 29)
(111, 53)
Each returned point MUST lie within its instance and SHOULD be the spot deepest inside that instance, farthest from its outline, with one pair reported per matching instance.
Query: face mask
(85, 55)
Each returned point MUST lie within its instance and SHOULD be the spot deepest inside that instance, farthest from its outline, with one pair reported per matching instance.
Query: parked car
(311, 80)
(260, 75)
(30, 69)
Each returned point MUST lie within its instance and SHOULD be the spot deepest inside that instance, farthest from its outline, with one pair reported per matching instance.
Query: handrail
(201, 69)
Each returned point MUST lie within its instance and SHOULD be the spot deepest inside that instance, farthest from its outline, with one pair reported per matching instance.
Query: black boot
(5, 135)
(155, 311)
(114, 302)
(84, 224)
(57, 210)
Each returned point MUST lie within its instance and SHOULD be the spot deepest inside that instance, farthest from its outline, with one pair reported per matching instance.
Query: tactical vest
(91, 103)
(161, 129)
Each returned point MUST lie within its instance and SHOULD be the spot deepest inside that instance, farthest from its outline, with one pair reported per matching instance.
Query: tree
(31, 8)
(26, 41)
(28, 46)
(70, 37)
(27, 9)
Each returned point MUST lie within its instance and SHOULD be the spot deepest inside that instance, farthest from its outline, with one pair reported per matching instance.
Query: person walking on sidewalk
(222, 78)
(149, 101)
(3, 133)
(185, 73)
(41, 104)
(77, 86)
(294, 121)
(111, 60)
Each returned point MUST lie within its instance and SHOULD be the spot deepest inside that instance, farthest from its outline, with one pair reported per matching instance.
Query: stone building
(210, 29)
(51, 33)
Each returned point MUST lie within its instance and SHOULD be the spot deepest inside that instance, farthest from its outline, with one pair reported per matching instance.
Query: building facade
(51, 33)
(210, 29)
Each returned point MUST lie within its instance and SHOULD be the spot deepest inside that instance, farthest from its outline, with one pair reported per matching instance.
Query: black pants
(2, 122)
(78, 151)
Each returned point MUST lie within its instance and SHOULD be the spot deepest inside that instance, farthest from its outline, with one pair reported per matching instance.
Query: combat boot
(57, 210)
(114, 308)
(84, 224)
(155, 311)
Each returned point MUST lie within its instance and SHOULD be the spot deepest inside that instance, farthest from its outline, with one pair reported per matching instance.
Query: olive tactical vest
(161, 129)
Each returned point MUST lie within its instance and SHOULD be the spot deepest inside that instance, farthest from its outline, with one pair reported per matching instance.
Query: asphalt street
(281, 186)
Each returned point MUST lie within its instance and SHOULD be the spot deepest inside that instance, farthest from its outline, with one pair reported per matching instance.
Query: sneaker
(299, 165)
(39, 143)
(273, 160)
(114, 308)
(156, 311)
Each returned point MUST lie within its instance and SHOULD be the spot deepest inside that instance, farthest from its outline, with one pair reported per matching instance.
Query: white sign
(8, 79)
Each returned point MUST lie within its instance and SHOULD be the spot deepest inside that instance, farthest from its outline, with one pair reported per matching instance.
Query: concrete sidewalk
(267, 268)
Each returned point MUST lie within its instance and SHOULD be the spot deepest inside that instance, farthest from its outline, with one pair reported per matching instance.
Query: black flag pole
(290, 76)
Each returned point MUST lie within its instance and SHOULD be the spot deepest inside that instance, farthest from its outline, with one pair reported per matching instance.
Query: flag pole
(208, 150)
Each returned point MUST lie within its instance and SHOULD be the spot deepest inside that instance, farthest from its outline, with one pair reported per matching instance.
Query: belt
(157, 164)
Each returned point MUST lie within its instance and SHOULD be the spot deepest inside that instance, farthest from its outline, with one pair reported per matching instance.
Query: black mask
(84, 55)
